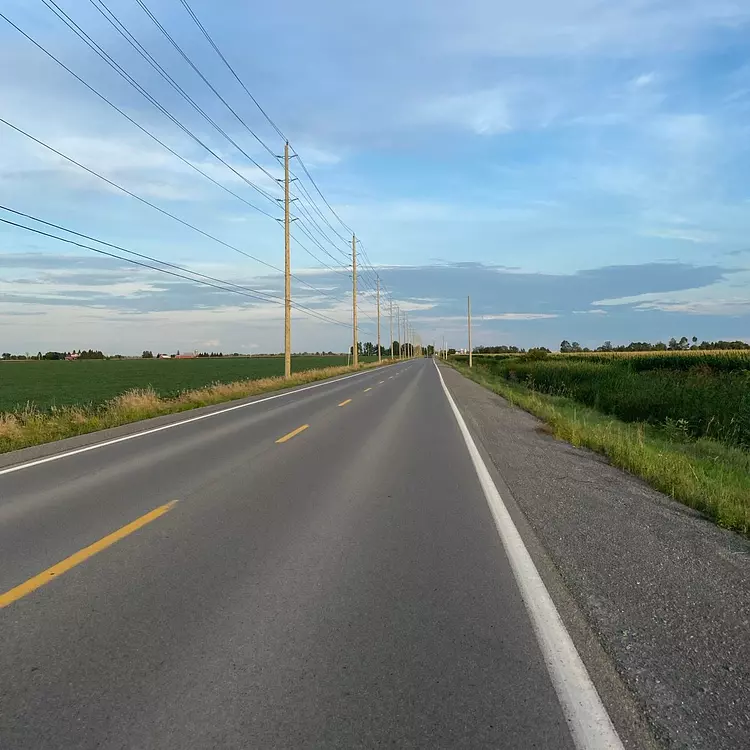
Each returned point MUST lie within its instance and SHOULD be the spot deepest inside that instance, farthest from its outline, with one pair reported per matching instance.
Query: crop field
(692, 394)
(45, 384)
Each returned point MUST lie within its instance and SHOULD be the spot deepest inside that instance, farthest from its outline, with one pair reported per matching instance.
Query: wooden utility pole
(287, 272)
(380, 359)
(390, 346)
(398, 329)
(355, 355)
(468, 308)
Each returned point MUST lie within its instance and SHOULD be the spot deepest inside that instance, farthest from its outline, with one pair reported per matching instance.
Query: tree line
(79, 354)
(673, 345)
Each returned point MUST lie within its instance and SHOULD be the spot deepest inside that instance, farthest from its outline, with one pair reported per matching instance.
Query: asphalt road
(346, 587)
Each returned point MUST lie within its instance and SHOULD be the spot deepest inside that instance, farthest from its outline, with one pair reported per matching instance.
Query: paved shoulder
(667, 592)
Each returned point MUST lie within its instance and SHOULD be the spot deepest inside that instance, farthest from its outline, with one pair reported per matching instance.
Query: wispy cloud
(697, 236)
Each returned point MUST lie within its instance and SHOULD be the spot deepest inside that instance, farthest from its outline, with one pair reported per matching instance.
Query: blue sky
(582, 169)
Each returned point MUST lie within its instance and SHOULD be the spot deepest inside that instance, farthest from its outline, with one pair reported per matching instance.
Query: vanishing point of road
(321, 568)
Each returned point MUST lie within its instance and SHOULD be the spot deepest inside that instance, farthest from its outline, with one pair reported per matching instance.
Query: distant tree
(660, 346)
(147, 354)
(673, 345)
(565, 346)
(575, 347)
(695, 339)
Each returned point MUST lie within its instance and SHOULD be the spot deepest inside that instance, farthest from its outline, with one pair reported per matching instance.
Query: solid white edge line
(584, 711)
(124, 438)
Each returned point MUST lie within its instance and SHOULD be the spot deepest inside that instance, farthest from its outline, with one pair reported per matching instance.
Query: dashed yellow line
(81, 556)
(367, 389)
(291, 434)
(344, 403)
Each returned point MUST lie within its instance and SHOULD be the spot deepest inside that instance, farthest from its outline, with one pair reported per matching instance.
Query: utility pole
(390, 345)
(468, 308)
(287, 272)
(398, 329)
(355, 355)
(379, 357)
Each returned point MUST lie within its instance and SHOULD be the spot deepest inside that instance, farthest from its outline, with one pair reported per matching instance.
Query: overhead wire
(223, 58)
(202, 278)
(134, 122)
(62, 16)
(144, 53)
(195, 18)
(146, 202)
(369, 273)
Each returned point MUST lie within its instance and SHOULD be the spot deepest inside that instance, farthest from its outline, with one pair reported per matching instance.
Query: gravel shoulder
(643, 583)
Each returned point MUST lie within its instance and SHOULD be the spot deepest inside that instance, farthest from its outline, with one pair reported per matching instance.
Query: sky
(581, 169)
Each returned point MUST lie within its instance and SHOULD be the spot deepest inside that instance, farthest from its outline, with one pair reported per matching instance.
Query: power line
(315, 185)
(131, 120)
(129, 79)
(223, 58)
(161, 143)
(153, 205)
(309, 252)
(205, 279)
(367, 274)
(187, 59)
(104, 55)
(231, 69)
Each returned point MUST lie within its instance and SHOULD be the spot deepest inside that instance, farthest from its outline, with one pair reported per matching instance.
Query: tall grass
(706, 395)
(704, 474)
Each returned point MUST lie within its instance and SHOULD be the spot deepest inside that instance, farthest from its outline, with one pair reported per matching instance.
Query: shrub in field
(704, 400)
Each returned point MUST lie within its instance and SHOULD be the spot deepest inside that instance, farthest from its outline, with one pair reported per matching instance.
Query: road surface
(319, 569)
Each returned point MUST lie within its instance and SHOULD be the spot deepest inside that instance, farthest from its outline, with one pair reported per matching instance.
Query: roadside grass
(704, 474)
(32, 426)
(704, 394)
(48, 384)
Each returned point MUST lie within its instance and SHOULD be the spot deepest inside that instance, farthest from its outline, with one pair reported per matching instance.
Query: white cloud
(697, 236)
(721, 299)
(730, 306)
(482, 112)
(497, 316)
(643, 80)
(579, 27)
(518, 316)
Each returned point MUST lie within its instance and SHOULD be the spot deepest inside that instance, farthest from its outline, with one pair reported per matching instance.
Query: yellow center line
(344, 403)
(367, 389)
(81, 556)
(291, 434)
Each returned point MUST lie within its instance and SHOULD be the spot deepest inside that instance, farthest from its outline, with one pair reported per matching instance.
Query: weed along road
(329, 567)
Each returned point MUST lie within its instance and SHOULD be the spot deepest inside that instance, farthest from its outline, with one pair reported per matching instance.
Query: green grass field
(692, 395)
(45, 384)
(684, 429)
